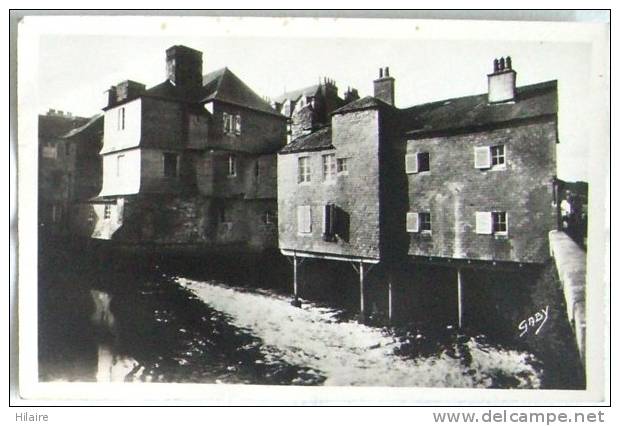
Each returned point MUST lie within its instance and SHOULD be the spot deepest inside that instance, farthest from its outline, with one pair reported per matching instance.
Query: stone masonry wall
(454, 190)
(356, 195)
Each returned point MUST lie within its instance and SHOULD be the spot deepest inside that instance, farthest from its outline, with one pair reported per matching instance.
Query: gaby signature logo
(538, 319)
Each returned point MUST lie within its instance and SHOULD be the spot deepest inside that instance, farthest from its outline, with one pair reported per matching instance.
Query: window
(499, 222)
(270, 217)
(120, 159)
(303, 169)
(424, 220)
(342, 168)
(222, 215)
(419, 222)
(497, 155)
(491, 223)
(487, 157)
(170, 164)
(329, 222)
(232, 166)
(418, 162)
(107, 211)
(120, 121)
(424, 162)
(304, 219)
(329, 167)
(232, 124)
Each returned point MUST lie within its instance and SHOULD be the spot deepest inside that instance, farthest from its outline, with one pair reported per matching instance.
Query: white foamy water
(350, 353)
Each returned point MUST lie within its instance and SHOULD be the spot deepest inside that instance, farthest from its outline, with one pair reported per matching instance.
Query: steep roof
(221, 85)
(296, 94)
(96, 120)
(532, 101)
(316, 141)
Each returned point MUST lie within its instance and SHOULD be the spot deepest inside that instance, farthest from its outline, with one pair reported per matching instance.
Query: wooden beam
(361, 288)
(286, 252)
(459, 280)
(390, 311)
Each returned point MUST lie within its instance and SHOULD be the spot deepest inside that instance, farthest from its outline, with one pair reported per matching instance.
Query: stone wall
(355, 136)
(454, 190)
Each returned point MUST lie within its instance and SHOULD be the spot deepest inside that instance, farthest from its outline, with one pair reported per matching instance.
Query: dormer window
(232, 124)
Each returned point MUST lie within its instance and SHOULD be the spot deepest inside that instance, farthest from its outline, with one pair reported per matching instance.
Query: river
(104, 319)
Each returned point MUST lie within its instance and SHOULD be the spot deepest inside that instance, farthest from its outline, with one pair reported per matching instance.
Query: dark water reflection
(125, 320)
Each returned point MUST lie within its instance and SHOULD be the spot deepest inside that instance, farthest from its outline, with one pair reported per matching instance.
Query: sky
(75, 70)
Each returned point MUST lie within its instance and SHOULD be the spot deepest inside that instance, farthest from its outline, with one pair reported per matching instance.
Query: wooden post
(390, 312)
(459, 280)
(295, 301)
(362, 288)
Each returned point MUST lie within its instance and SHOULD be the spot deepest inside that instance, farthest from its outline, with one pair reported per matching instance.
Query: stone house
(56, 170)
(462, 183)
(310, 108)
(190, 162)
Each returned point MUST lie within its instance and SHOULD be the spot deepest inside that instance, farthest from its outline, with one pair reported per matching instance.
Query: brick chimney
(502, 81)
(184, 67)
(384, 86)
(351, 95)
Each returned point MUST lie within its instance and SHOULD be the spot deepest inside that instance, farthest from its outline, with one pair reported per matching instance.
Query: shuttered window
(412, 222)
(492, 223)
(418, 162)
(304, 219)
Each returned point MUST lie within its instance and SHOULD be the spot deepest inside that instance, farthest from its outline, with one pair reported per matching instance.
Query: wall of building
(255, 175)
(454, 190)
(115, 138)
(260, 132)
(231, 223)
(125, 179)
(164, 124)
(356, 195)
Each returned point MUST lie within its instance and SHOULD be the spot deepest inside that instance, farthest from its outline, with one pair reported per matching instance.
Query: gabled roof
(54, 126)
(532, 101)
(316, 141)
(96, 120)
(367, 102)
(221, 85)
(294, 95)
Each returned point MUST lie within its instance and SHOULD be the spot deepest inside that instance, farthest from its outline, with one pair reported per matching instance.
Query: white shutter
(411, 163)
(482, 157)
(304, 219)
(412, 222)
(238, 124)
(484, 223)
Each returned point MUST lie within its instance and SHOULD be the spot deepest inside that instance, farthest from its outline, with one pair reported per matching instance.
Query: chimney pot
(508, 62)
(387, 71)
(380, 72)
(502, 63)
(495, 65)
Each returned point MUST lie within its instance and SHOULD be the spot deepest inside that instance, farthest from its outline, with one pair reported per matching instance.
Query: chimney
(384, 86)
(128, 89)
(184, 67)
(502, 82)
(351, 95)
